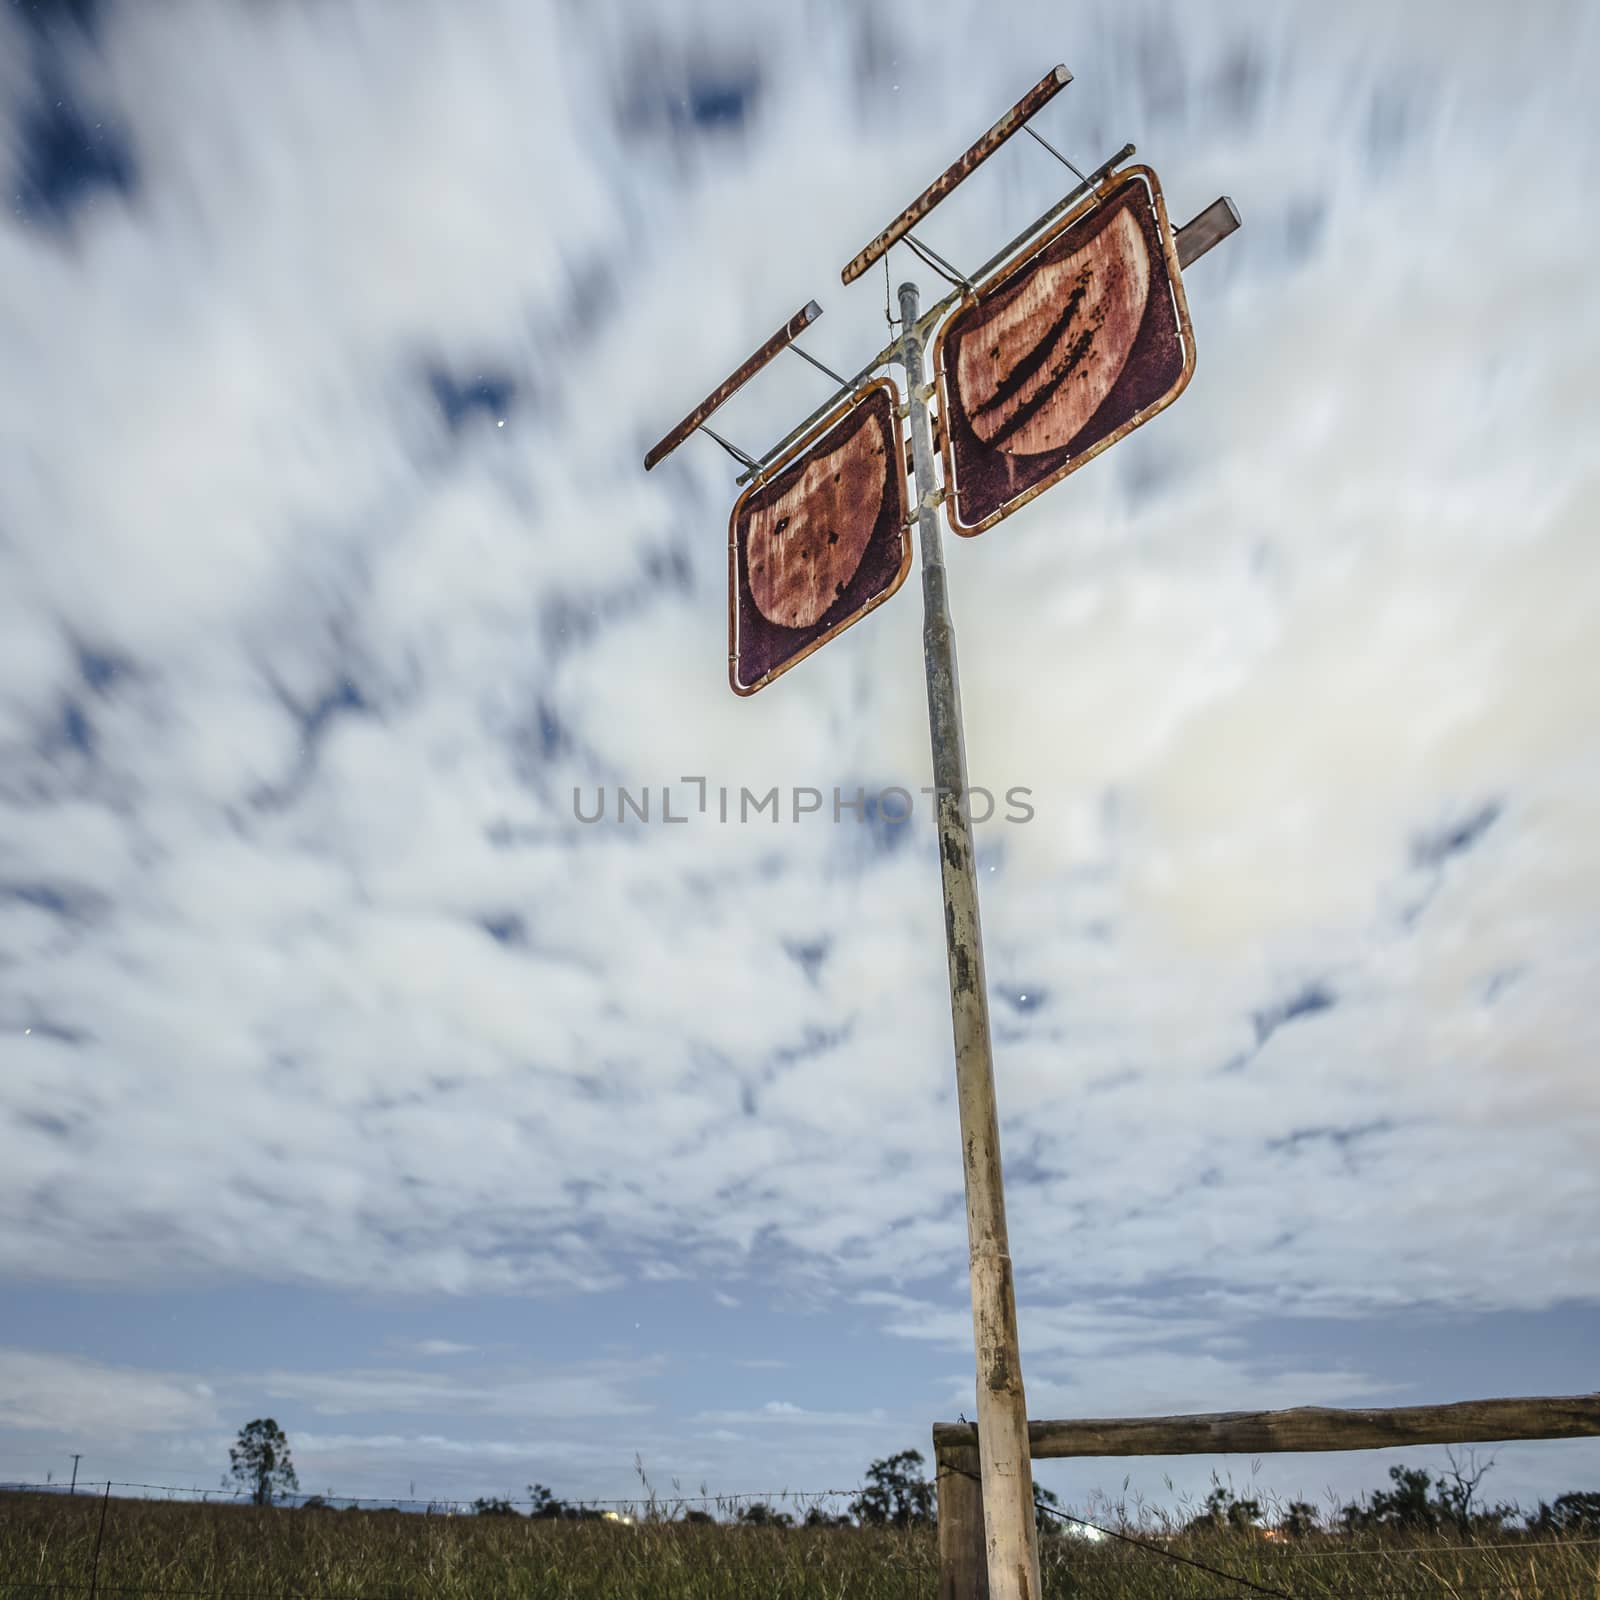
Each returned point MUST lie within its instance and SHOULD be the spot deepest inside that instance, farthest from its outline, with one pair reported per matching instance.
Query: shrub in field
(1224, 1510)
(1575, 1513)
(758, 1514)
(1299, 1519)
(493, 1508)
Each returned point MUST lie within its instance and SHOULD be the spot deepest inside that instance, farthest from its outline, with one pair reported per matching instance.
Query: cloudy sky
(345, 1076)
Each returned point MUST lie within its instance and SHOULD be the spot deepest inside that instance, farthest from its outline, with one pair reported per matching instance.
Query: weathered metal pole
(1005, 1465)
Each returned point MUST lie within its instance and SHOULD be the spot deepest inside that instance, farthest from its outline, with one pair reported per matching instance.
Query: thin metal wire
(1027, 128)
(224, 1496)
(946, 269)
(807, 356)
(732, 449)
(887, 314)
(1145, 1544)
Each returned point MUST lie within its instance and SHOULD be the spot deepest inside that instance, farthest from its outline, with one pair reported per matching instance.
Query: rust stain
(806, 545)
(1032, 373)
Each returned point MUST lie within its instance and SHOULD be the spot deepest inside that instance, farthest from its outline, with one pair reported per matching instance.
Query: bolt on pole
(1010, 1533)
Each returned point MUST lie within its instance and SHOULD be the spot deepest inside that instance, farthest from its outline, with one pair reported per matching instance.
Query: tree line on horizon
(896, 1494)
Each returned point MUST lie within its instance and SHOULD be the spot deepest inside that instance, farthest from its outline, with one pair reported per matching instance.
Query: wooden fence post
(963, 1554)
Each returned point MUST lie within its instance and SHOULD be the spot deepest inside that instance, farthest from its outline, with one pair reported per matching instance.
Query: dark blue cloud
(60, 900)
(719, 102)
(67, 154)
(99, 670)
(486, 394)
(1307, 1003)
(1340, 1138)
(705, 100)
(1433, 849)
(505, 928)
(46, 15)
(809, 955)
(345, 696)
(76, 730)
(813, 1042)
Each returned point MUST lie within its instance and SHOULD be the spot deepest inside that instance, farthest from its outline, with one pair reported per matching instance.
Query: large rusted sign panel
(820, 542)
(1062, 353)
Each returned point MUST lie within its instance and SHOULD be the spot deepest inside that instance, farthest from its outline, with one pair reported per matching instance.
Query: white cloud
(69, 1395)
(785, 1412)
(599, 1389)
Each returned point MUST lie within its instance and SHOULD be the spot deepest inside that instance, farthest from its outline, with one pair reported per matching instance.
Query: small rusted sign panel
(820, 542)
(1063, 353)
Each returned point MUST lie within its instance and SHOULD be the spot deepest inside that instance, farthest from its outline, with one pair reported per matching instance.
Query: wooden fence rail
(963, 1572)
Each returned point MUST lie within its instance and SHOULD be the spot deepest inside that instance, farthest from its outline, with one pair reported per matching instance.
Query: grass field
(153, 1547)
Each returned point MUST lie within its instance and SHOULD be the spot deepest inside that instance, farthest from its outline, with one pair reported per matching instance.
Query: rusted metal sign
(820, 541)
(1063, 353)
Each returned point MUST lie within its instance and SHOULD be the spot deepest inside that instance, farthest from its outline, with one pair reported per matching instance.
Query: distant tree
(694, 1515)
(545, 1504)
(896, 1494)
(1224, 1511)
(314, 1502)
(816, 1517)
(493, 1507)
(758, 1514)
(1574, 1513)
(1300, 1519)
(259, 1462)
(1406, 1505)
(1456, 1496)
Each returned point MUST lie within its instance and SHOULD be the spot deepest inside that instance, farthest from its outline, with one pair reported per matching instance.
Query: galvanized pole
(1005, 1465)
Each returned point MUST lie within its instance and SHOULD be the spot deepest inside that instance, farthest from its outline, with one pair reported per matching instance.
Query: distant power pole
(74, 1486)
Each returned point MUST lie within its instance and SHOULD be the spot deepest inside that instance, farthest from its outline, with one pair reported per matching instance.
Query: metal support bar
(1040, 95)
(1040, 138)
(732, 449)
(1207, 230)
(805, 355)
(791, 330)
(1005, 1467)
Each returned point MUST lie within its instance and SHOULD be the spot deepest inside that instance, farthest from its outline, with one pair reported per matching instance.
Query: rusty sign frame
(895, 459)
(1035, 248)
(733, 383)
(1039, 96)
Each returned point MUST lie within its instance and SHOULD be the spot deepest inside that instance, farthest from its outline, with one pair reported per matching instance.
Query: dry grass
(177, 1548)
